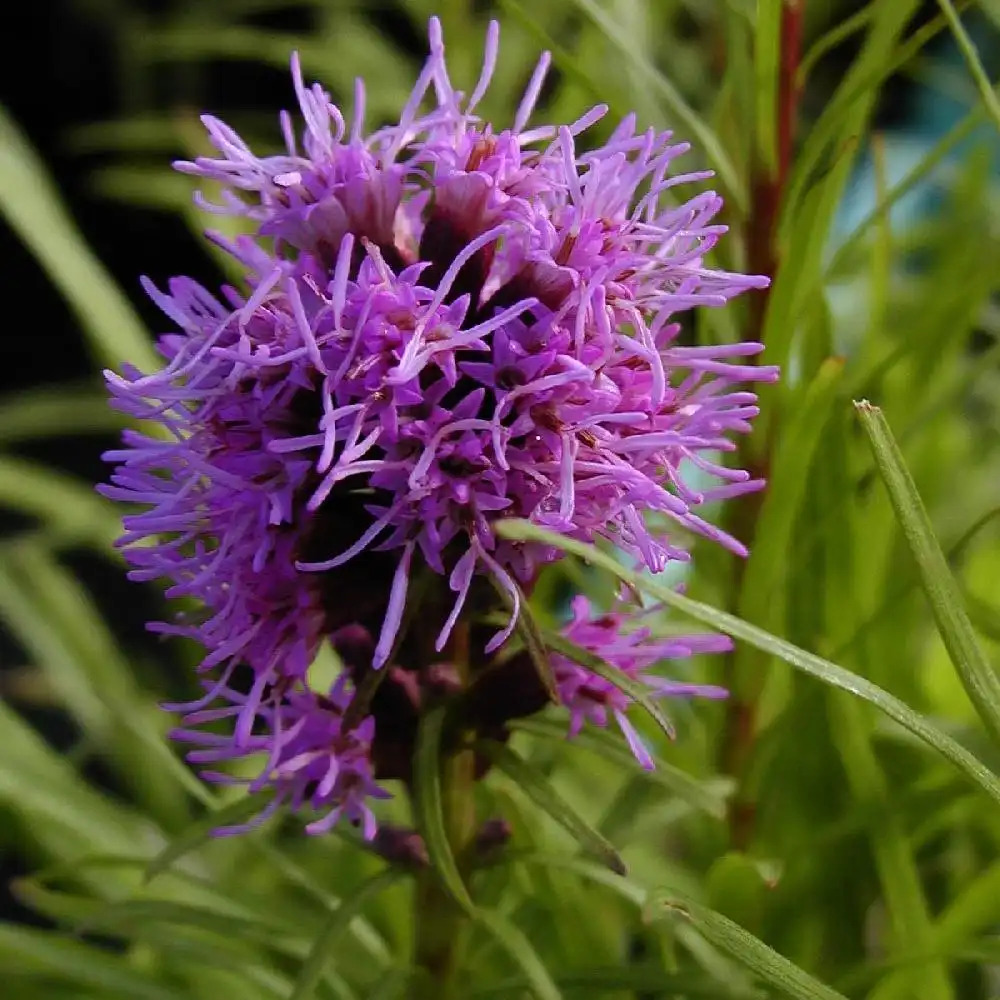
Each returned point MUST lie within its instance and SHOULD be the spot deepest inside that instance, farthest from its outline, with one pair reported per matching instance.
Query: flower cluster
(443, 326)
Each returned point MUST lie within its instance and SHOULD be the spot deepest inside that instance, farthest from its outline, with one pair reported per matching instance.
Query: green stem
(440, 924)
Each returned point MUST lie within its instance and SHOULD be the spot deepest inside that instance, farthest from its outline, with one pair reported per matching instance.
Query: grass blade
(519, 948)
(806, 662)
(541, 791)
(26, 951)
(750, 951)
(321, 950)
(32, 206)
(971, 56)
(706, 795)
(672, 99)
(767, 55)
(200, 832)
(976, 673)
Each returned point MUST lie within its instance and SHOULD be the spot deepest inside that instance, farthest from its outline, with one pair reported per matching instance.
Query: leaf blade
(808, 663)
(546, 797)
(747, 949)
(974, 670)
(319, 952)
(520, 949)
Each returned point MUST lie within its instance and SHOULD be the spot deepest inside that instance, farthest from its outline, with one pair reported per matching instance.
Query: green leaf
(321, 951)
(707, 795)
(809, 663)
(520, 949)
(57, 622)
(634, 689)
(57, 411)
(976, 673)
(31, 204)
(972, 60)
(542, 792)
(41, 784)
(624, 888)
(68, 508)
(736, 887)
(51, 957)
(200, 832)
(897, 868)
(642, 980)
(829, 41)
(428, 806)
(534, 642)
(750, 951)
(672, 99)
(762, 597)
(767, 56)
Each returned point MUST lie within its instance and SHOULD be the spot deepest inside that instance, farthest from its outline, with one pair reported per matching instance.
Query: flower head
(443, 326)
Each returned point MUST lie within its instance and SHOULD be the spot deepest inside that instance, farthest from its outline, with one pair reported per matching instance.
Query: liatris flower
(444, 326)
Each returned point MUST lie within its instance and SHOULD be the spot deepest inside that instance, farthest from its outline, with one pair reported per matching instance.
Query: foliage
(804, 833)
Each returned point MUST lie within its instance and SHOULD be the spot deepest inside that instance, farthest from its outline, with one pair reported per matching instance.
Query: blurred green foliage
(834, 835)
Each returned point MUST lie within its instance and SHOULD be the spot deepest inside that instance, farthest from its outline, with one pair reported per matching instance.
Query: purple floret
(617, 639)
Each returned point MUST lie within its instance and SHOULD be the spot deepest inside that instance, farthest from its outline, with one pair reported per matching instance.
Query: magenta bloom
(616, 639)
(444, 325)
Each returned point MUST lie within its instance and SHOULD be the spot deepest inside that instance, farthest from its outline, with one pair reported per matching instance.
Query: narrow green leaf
(976, 673)
(520, 949)
(634, 689)
(30, 201)
(612, 980)
(624, 888)
(808, 663)
(972, 60)
(58, 411)
(762, 599)
(671, 97)
(428, 805)
(831, 39)
(707, 795)
(200, 832)
(736, 887)
(534, 642)
(767, 56)
(68, 508)
(57, 622)
(51, 957)
(321, 951)
(531, 635)
(935, 156)
(36, 781)
(392, 985)
(544, 794)
(897, 868)
(750, 951)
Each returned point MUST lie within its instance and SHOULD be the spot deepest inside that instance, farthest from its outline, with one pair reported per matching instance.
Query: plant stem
(440, 924)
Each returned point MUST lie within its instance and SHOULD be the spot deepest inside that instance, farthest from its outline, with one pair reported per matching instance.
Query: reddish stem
(767, 192)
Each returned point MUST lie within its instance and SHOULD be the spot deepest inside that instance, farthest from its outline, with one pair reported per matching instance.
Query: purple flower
(309, 755)
(615, 639)
(442, 326)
